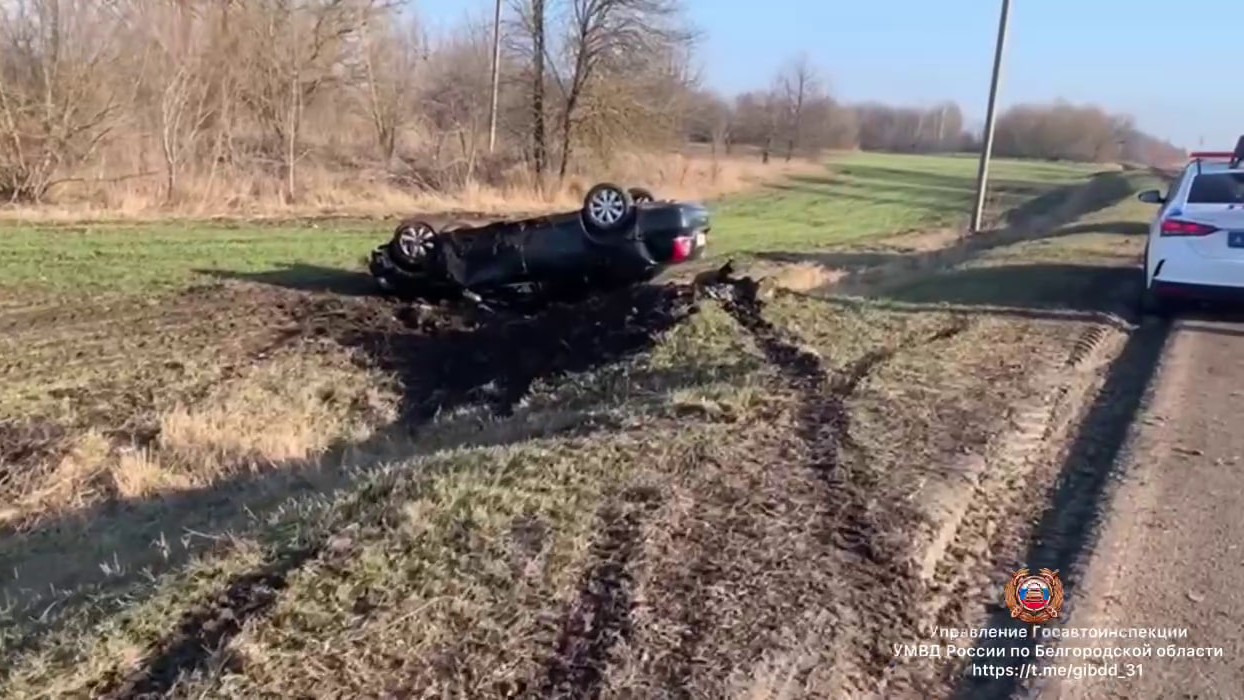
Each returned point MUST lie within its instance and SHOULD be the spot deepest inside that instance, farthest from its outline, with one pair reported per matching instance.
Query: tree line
(796, 114)
(183, 94)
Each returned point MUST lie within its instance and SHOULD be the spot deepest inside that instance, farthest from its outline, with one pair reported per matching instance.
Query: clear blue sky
(1117, 53)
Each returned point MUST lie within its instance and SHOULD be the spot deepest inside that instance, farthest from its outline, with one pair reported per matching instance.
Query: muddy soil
(103, 364)
(27, 442)
(204, 629)
(853, 571)
(787, 526)
(116, 365)
(441, 357)
(601, 616)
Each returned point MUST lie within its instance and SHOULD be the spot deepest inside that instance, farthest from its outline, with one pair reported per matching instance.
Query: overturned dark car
(618, 238)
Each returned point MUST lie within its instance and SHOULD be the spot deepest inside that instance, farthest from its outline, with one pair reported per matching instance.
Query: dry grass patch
(282, 413)
(371, 193)
(797, 277)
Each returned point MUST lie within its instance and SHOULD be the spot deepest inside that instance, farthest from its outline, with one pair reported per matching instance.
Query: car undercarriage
(617, 238)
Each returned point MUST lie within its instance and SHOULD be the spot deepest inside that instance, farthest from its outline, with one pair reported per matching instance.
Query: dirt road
(1171, 552)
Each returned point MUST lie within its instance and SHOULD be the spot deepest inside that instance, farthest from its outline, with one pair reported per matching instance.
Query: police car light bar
(1233, 158)
(1198, 156)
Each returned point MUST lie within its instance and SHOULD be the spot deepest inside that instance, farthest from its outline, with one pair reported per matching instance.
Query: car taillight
(1176, 227)
(683, 246)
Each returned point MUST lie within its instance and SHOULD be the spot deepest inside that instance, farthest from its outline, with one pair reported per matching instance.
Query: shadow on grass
(967, 248)
(492, 364)
(1049, 219)
(927, 180)
(1044, 285)
(1036, 291)
(306, 278)
(930, 201)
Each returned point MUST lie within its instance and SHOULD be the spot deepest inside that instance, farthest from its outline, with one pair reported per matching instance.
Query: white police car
(1195, 249)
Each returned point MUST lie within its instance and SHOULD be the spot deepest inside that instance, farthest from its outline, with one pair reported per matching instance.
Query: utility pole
(496, 75)
(982, 173)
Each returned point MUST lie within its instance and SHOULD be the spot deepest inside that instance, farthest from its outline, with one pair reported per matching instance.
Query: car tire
(413, 245)
(608, 208)
(1153, 305)
(640, 195)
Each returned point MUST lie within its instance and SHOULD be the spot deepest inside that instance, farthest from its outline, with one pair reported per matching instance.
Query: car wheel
(607, 207)
(413, 244)
(639, 195)
(1153, 305)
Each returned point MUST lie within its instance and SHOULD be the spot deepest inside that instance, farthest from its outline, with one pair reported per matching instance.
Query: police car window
(1170, 192)
(1217, 188)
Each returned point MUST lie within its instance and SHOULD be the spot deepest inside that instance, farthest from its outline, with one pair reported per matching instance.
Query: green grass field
(867, 195)
(248, 490)
(860, 196)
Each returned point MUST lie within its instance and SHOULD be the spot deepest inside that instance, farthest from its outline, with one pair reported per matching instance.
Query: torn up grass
(467, 570)
(712, 517)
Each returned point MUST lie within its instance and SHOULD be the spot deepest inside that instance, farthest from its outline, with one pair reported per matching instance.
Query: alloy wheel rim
(607, 207)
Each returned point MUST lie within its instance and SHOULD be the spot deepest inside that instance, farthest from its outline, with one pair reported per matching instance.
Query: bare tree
(391, 58)
(771, 116)
(610, 38)
(710, 119)
(57, 103)
(527, 40)
(539, 142)
(797, 82)
(229, 101)
(755, 120)
(181, 78)
(454, 102)
(292, 51)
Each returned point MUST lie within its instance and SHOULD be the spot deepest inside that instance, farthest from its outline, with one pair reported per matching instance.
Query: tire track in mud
(991, 532)
(1080, 486)
(824, 417)
(205, 629)
(442, 362)
(601, 616)
(860, 539)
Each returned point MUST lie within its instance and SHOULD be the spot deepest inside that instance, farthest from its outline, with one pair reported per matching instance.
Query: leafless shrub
(58, 100)
(1063, 131)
